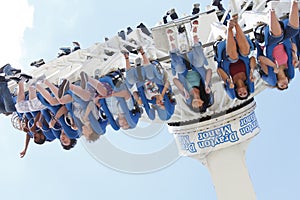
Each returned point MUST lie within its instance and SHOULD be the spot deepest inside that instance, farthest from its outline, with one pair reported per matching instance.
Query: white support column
(230, 174)
(220, 144)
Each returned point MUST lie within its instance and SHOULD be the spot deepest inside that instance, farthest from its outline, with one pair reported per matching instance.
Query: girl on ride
(278, 55)
(194, 80)
(234, 66)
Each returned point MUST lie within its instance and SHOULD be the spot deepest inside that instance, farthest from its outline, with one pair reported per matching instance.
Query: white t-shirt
(114, 105)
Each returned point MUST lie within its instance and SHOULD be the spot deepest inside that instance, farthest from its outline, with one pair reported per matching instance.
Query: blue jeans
(288, 33)
(8, 69)
(6, 100)
(148, 72)
(177, 63)
(196, 58)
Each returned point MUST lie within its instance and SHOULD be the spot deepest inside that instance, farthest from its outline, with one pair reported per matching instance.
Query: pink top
(279, 55)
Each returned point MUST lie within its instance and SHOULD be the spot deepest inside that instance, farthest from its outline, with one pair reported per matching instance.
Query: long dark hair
(204, 96)
(42, 138)
(70, 146)
(288, 77)
(237, 95)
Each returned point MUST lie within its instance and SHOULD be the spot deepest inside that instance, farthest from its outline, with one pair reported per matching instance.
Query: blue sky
(36, 29)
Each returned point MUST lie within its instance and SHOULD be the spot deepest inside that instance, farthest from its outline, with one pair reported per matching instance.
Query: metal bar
(203, 46)
(181, 21)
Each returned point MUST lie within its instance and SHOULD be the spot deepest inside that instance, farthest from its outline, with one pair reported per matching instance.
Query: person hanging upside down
(276, 53)
(153, 85)
(194, 80)
(234, 66)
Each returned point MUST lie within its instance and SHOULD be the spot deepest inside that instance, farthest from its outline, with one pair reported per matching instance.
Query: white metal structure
(219, 137)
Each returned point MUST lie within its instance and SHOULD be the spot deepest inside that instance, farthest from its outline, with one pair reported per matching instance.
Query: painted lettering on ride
(226, 134)
(248, 124)
(217, 136)
(186, 144)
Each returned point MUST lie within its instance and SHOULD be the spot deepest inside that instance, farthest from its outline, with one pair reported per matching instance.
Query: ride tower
(219, 138)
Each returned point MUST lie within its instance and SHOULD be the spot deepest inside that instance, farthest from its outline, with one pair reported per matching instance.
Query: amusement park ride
(218, 137)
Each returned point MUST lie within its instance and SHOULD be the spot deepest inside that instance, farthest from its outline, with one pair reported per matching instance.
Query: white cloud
(15, 17)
